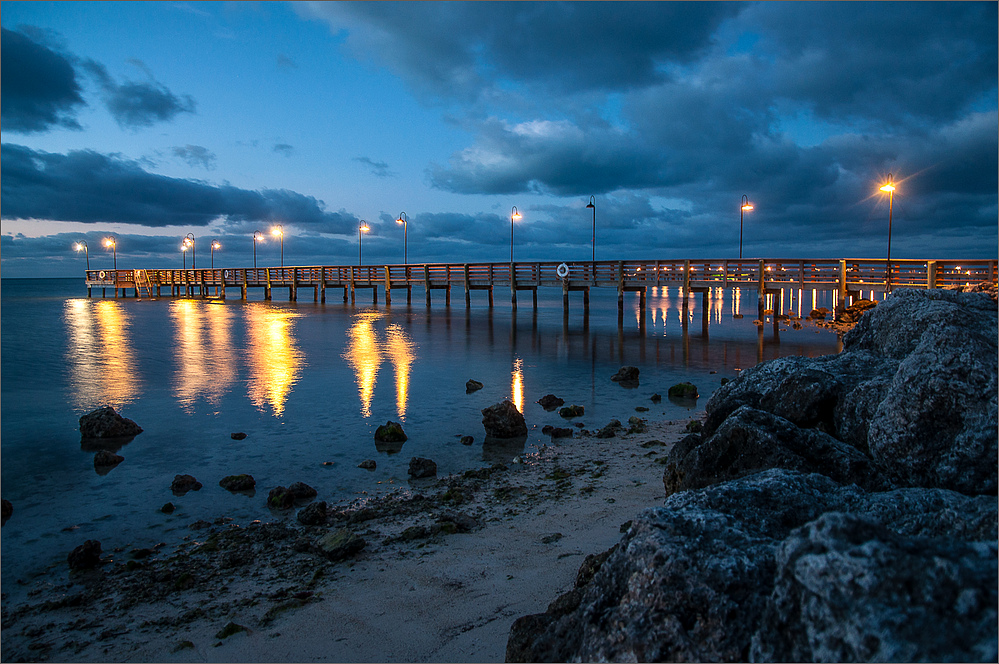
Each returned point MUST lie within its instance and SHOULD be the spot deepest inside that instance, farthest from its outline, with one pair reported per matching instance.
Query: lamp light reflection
(273, 356)
(517, 387)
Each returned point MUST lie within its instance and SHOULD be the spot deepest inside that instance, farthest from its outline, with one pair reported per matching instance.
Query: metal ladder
(142, 282)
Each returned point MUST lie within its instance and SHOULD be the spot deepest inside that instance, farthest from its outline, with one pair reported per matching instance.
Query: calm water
(309, 383)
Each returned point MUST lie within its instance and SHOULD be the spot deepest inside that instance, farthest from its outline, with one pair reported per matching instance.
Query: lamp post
(111, 243)
(279, 231)
(215, 245)
(593, 206)
(514, 214)
(189, 242)
(404, 220)
(183, 252)
(257, 237)
(745, 206)
(889, 188)
(82, 244)
(362, 227)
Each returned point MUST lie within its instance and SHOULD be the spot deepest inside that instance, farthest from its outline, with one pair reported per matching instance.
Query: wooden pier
(846, 277)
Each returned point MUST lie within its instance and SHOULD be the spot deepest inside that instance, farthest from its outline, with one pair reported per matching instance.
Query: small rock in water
(285, 497)
(168, 508)
(571, 411)
(104, 459)
(106, 423)
(561, 432)
(683, 391)
(641, 409)
(467, 440)
(367, 464)
(238, 482)
(625, 373)
(550, 402)
(239, 435)
(183, 483)
(657, 398)
(472, 386)
(419, 468)
(390, 432)
(85, 556)
(313, 514)
(503, 420)
(6, 510)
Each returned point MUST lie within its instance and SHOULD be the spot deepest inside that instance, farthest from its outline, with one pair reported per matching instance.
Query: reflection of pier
(846, 277)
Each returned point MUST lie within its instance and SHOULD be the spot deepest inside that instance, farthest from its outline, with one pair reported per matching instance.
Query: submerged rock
(390, 432)
(238, 482)
(472, 386)
(106, 460)
(420, 468)
(239, 435)
(106, 423)
(368, 464)
(183, 483)
(571, 411)
(85, 556)
(283, 498)
(467, 440)
(683, 391)
(6, 511)
(626, 374)
(503, 420)
(550, 402)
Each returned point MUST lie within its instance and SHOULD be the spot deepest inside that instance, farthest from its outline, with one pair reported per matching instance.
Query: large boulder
(106, 423)
(390, 432)
(785, 566)
(283, 498)
(503, 420)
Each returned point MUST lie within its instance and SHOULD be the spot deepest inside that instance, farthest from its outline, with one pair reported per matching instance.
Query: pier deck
(846, 277)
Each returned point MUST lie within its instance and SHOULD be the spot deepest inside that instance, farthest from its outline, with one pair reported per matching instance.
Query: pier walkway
(846, 277)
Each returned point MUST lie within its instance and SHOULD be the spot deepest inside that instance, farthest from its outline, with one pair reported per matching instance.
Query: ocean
(309, 383)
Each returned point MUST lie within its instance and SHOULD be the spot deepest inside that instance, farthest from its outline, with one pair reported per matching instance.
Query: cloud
(40, 87)
(86, 186)
(378, 168)
(135, 105)
(196, 155)
(284, 149)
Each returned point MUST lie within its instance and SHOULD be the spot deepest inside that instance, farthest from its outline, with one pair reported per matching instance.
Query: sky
(149, 121)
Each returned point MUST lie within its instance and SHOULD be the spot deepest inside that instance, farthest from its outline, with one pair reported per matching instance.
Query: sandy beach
(448, 565)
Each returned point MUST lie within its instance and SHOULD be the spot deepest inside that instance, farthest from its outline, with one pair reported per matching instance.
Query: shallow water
(309, 383)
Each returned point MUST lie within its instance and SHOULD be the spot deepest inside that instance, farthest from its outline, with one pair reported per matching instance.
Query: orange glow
(364, 355)
(277, 230)
(888, 187)
(99, 354)
(364, 227)
(518, 384)
(747, 207)
(273, 357)
(206, 358)
(400, 350)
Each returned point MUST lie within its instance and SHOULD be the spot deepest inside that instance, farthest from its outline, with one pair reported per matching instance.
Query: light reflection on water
(517, 388)
(99, 354)
(206, 364)
(367, 348)
(273, 357)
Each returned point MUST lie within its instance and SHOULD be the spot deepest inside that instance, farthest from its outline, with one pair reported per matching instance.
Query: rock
(340, 544)
(106, 423)
(238, 482)
(390, 432)
(636, 425)
(183, 483)
(551, 539)
(467, 440)
(313, 514)
(230, 629)
(819, 314)
(503, 420)
(85, 556)
(610, 429)
(420, 468)
(168, 508)
(641, 409)
(768, 568)
(629, 374)
(464, 523)
(6, 511)
(283, 498)
(105, 459)
(472, 386)
(368, 464)
(561, 432)
(571, 411)
(683, 391)
(656, 398)
(239, 435)
(550, 402)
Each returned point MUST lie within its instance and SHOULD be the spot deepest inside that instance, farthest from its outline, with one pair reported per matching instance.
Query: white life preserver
(562, 270)
(102, 274)
(228, 274)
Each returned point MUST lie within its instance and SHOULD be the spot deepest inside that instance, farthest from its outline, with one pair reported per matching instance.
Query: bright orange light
(216, 245)
(399, 221)
(277, 231)
(515, 215)
(109, 242)
(747, 206)
(365, 228)
(78, 246)
(183, 247)
(888, 188)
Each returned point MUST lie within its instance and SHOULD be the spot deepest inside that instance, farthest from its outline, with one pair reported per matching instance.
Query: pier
(847, 278)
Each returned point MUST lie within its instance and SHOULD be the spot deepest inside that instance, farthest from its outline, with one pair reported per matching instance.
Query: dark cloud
(135, 105)
(87, 186)
(196, 155)
(40, 88)
(462, 50)
(377, 168)
(284, 149)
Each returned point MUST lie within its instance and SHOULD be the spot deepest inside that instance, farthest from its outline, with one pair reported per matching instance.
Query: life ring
(562, 270)
(102, 274)
(228, 274)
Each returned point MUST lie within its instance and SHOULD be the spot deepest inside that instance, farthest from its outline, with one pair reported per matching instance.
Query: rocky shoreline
(841, 508)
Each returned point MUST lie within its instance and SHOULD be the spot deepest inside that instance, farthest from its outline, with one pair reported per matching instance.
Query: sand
(442, 598)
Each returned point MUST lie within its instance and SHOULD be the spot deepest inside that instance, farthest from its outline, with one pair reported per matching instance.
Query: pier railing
(847, 276)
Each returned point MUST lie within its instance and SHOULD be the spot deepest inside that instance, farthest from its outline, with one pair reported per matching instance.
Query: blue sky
(154, 120)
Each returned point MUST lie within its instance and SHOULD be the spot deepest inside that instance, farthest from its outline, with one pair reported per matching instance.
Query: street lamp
(279, 231)
(215, 245)
(404, 220)
(889, 188)
(111, 243)
(82, 244)
(514, 214)
(257, 237)
(183, 252)
(593, 206)
(746, 206)
(189, 242)
(362, 227)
